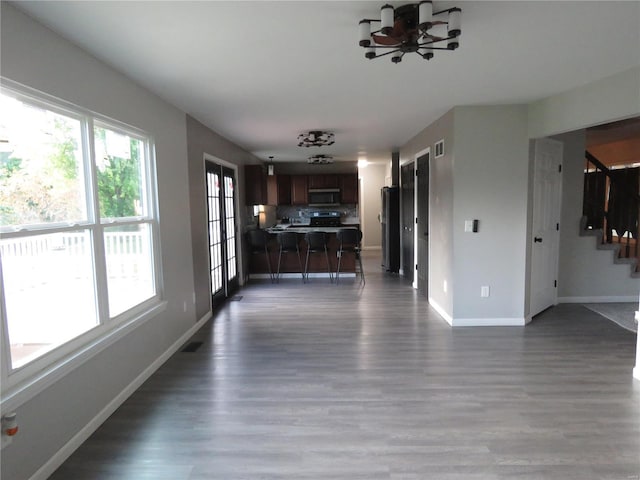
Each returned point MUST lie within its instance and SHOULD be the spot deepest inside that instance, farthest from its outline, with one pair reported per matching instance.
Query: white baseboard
(636, 373)
(441, 311)
(607, 299)
(79, 438)
(489, 322)
(478, 322)
(372, 247)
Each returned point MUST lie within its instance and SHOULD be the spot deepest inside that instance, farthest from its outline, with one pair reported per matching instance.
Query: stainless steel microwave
(324, 197)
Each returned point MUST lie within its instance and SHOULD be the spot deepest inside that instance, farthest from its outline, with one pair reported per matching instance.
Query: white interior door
(547, 190)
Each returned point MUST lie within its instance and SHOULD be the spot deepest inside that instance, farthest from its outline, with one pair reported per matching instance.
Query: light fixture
(270, 169)
(315, 138)
(411, 28)
(320, 159)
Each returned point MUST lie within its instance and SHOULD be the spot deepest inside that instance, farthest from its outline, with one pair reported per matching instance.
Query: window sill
(25, 389)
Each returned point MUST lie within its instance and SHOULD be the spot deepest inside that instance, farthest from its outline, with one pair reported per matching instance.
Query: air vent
(439, 147)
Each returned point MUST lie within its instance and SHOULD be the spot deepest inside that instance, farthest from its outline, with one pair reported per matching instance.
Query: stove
(324, 219)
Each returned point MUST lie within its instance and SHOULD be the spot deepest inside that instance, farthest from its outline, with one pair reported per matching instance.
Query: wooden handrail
(602, 214)
(607, 172)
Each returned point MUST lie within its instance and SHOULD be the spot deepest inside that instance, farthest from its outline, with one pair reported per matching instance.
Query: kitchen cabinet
(324, 181)
(278, 190)
(349, 188)
(255, 185)
(299, 189)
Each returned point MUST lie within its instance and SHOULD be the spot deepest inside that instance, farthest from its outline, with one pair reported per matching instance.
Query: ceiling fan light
(386, 19)
(454, 25)
(396, 57)
(428, 55)
(370, 53)
(425, 15)
(453, 43)
(365, 33)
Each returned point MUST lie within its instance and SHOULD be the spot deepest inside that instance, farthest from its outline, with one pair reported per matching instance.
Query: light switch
(468, 225)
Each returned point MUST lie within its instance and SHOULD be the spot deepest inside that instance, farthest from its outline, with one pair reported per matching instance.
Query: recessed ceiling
(260, 73)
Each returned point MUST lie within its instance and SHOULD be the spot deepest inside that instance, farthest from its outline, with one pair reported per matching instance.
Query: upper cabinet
(349, 188)
(324, 181)
(263, 189)
(278, 190)
(299, 189)
(255, 187)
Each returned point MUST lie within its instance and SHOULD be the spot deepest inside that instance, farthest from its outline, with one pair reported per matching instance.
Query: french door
(221, 212)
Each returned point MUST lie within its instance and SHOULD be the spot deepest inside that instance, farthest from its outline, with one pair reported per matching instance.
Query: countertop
(305, 228)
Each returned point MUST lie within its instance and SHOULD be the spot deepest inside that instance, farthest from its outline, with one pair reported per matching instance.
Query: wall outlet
(484, 291)
(444, 286)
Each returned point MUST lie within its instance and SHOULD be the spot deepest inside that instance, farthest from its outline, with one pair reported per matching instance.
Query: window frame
(20, 384)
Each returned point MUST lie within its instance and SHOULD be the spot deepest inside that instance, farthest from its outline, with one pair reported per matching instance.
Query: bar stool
(349, 241)
(317, 243)
(288, 242)
(259, 244)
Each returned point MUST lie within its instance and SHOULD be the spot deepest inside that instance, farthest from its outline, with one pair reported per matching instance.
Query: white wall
(491, 164)
(584, 273)
(440, 208)
(202, 140)
(372, 179)
(483, 175)
(34, 56)
(612, 98)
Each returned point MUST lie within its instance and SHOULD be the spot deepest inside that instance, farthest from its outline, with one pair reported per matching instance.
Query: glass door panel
(222, 231)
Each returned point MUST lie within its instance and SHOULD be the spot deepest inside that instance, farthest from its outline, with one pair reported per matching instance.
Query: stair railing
(611, 203)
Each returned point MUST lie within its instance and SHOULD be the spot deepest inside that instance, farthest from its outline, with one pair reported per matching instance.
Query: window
(78, 229)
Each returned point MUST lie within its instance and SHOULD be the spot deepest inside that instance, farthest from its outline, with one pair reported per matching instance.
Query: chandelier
(315, 138)
(411, 28)
(320, 159)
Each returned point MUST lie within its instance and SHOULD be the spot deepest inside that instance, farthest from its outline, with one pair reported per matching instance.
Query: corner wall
(56, 419)
(201, 140)
(490, 184)
(441, 201)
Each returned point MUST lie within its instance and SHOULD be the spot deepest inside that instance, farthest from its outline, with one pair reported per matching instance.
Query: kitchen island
(290, 267)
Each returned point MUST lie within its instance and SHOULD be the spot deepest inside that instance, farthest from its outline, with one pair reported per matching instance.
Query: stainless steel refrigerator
(390, 221)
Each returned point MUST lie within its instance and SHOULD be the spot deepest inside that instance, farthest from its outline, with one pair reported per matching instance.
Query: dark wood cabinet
(278, 190)
(324, 181)
(299, 189)
(263, 189)
(255, 185)
(349, 188)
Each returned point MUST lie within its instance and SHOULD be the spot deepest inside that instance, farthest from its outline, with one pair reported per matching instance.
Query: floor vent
(235, 298)
(192, 346)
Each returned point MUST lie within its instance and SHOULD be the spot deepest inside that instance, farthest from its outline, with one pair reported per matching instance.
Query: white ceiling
(259, 73)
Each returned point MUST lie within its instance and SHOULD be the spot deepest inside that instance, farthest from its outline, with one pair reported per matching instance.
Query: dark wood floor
(318, 381)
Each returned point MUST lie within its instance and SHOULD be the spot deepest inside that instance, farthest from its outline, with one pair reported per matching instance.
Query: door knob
(537, 239)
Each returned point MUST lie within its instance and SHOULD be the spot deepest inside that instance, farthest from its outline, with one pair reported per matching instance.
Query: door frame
(401, 272)
(239, 254)
(416, 156)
